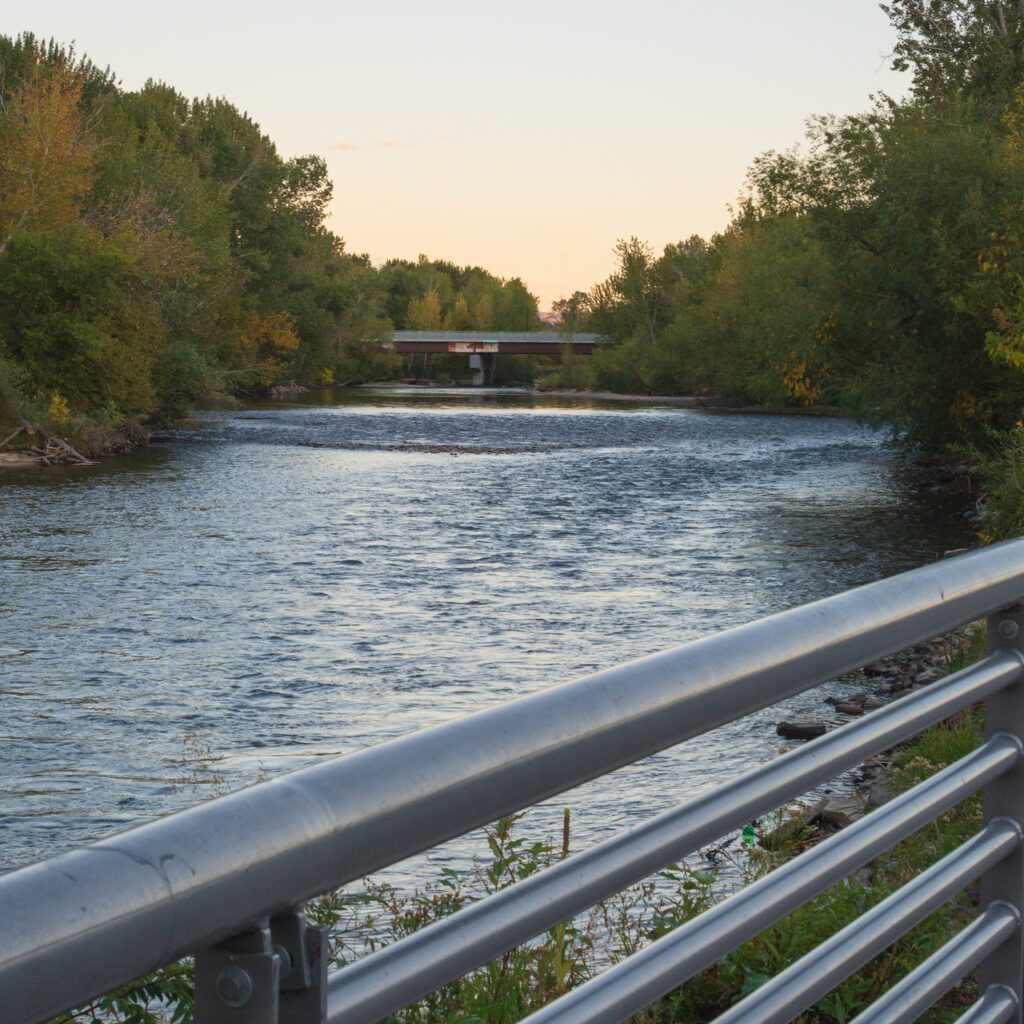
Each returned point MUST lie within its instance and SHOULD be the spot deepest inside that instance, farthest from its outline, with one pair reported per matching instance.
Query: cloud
(350, 147)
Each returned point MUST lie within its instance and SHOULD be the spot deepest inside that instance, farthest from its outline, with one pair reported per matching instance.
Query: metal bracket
(272, 974)
(304, 948)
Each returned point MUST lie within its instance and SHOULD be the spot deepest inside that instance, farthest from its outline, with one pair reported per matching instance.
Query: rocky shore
(879, 684)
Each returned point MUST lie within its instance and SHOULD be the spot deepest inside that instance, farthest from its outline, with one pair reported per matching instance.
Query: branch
(10, 437)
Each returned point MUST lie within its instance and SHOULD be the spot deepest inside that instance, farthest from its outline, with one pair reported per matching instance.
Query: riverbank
(85, 444)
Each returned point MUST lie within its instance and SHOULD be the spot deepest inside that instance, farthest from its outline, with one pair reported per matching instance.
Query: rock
(924, 677)
(876, 668)
(842, 811)
(849, 698)
(801, 730)
(864, 876)
(878, 793)
(906, 691)
(849, 709)
(873, 703)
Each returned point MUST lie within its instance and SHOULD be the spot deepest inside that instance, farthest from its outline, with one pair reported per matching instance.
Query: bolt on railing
(225, 881)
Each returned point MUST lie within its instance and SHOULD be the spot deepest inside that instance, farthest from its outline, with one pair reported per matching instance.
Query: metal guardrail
(554, 338)
(225, 881)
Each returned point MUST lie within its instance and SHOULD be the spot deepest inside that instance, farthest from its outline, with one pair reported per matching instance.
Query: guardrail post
(1004, 798)
(275, 974)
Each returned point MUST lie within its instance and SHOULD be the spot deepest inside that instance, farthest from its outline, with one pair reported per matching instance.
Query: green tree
(960, 47)
(516, 308)
(76, 312)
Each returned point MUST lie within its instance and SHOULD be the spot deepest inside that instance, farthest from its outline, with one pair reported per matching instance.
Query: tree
(459, 317)
(46, 157)
(974, 47)
(265, 341)
(573, 312)
(516, 308)
(630, 303)
(425, 313)
(78, 313)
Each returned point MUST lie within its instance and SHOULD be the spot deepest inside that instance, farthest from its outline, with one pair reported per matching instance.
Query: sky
(525, 138)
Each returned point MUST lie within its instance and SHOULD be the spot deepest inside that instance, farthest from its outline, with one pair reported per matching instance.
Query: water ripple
(276, 585)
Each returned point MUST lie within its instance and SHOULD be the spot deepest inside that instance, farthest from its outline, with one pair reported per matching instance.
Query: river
(266, 587)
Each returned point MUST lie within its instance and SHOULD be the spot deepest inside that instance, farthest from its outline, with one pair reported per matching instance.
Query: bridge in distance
(483, 347)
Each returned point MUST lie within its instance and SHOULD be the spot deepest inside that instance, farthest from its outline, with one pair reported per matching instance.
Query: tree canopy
(155, 249)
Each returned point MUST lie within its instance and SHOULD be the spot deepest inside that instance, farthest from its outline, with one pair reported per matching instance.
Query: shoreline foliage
(876, 267)
(157, 252)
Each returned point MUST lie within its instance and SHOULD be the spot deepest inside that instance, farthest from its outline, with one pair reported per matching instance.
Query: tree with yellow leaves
(46, 155)
(425, 312)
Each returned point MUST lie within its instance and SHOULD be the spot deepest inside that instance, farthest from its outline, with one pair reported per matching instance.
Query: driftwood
(53, 441)
(55, 451)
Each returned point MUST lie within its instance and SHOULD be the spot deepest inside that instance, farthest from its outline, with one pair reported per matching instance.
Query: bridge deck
(507, 342)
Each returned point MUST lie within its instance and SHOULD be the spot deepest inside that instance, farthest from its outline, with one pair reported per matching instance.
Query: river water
(267, 587)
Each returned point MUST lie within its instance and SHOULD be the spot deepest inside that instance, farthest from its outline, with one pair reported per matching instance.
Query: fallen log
(62, 446)
(10, 437)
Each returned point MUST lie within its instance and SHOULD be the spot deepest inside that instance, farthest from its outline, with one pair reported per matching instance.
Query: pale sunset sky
(524, 137)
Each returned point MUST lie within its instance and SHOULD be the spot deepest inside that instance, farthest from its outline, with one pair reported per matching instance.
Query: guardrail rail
(225, 882)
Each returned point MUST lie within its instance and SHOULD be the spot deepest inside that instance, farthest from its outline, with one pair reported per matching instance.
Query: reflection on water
(297, 580)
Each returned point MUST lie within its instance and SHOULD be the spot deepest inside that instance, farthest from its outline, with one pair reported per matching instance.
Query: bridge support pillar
(482, 365)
